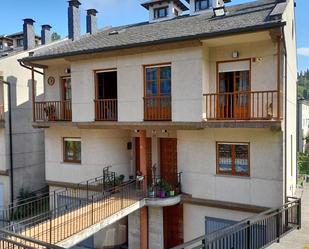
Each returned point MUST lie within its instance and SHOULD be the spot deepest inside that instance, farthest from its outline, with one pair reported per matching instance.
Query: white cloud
(303, 51)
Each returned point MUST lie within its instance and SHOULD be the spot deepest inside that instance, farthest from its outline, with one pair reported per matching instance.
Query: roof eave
(158, 42)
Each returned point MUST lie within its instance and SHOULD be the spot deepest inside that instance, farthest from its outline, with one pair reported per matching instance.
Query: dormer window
(160, 12)
(202, 5)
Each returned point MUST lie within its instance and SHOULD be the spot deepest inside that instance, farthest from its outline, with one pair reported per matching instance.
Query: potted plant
(171, 191)
(163, 188)
(151, 192)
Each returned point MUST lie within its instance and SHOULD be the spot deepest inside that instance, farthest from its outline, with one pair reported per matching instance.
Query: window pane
(78, 150)
(69, 150)
(165, 72)
(152, 88)
(165, 87)
(241, 159)
(225, 157)
(151, 73)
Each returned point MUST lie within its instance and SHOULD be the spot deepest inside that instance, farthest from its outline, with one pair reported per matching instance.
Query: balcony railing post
(278, 225)
(299, 214)
(249, 235)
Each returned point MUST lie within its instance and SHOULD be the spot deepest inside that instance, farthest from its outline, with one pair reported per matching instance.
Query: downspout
(285, 115)
(10, 140)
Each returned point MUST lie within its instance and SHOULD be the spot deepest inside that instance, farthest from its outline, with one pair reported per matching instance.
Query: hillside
(303, 84)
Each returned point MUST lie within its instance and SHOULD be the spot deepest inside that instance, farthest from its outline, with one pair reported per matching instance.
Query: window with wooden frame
(202, 5)
(160, 12)
(72, 150)
(233, 159)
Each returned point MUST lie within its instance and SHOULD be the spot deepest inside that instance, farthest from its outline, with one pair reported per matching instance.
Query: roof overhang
(202, 36)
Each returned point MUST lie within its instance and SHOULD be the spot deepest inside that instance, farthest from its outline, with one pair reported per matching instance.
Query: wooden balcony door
(157, 99)
(66, 98)
(148, 157)
(173, 215)
(234, 93)
(106, 104)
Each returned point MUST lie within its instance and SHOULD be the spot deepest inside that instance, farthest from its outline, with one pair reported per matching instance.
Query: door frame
(234, 80)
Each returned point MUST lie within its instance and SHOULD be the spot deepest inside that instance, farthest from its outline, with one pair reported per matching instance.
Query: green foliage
(55, 36)
(303, 163)
(303, 84)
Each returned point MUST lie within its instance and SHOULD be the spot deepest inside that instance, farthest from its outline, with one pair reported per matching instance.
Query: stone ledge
(163, 202)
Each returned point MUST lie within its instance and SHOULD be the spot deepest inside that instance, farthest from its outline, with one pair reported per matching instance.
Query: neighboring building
(28, 157)
(211, 94)
(303, 124)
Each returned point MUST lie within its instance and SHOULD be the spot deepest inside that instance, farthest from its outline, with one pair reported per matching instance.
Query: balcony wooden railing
(106, 109)
(254, 105)
(53, 111)
(157, 108)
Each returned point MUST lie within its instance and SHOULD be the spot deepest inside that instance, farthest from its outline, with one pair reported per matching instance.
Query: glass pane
(151, 74)
(242, 82)
(165, 87)
(68, 89)
(225, 157)
(165, 72)
(241, 159)
(204, 4)
(78, 150)
(69, 150)
(152, 88)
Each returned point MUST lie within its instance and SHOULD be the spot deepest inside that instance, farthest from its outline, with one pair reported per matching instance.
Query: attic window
(160, 12)
(114, 32)
(202, 5)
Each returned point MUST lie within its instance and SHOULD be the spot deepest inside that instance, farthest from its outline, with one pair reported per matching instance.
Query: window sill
(70, 163)
(233, 176)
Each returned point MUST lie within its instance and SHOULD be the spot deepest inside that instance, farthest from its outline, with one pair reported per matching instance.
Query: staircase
(64, 217)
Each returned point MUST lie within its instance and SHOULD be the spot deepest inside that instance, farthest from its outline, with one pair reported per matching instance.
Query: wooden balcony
(106, 109)
(157, 108)
(253, 105)
(53, 111)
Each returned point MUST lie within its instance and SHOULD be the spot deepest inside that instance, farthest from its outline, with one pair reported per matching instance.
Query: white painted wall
(303, 124)
(291, 92)
(100, 148)
(197, 161)
(28, 143)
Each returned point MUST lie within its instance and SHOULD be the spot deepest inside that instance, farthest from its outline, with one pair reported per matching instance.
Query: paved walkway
(298, 239)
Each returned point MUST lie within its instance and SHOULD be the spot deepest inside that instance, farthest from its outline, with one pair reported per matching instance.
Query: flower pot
(151, 194)
(171, 193)
(162, 194)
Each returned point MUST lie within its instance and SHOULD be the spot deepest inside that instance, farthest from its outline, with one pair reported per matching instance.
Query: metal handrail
(244, 228)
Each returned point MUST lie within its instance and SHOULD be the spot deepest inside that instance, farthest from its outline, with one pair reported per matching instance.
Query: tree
(55, 36)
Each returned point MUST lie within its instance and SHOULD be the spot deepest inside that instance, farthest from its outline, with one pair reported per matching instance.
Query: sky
(114, 13)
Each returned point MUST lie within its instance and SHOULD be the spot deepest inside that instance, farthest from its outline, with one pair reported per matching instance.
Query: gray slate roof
(240, 18)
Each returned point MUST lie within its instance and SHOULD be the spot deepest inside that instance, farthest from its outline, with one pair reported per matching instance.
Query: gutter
(159, 42)
(10, 140)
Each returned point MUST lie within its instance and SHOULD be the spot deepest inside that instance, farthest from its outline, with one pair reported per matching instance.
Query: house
(210, 94)
(303, 124)
(22, 147)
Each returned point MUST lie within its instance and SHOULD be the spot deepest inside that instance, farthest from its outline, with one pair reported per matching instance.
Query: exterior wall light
(219, 11)
(235, 54)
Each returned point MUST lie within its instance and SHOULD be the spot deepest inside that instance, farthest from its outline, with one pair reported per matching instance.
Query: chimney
(46, 34)
(29, 34)
(74, 19)
(91, 21)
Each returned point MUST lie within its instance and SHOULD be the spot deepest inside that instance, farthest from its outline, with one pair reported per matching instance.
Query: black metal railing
(164, 187)
(9, 240)
(57, 215)
(254, 233)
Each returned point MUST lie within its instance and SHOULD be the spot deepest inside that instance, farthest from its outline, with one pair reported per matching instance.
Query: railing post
(249, 235)
(92, 211)
(278, 222)
(87, 190)
(299, 214)
(50, 227)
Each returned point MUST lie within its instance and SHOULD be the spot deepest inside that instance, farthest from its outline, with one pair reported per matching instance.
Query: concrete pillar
(143, 211)
(156, 233)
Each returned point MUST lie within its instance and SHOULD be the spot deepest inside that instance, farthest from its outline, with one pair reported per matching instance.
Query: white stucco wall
(291, 92)
(100, 148)
(28, 143)
(303, 125)
(197, 161)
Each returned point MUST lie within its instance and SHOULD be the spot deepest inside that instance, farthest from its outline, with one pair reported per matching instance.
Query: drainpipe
(285, 115)
(10, 139)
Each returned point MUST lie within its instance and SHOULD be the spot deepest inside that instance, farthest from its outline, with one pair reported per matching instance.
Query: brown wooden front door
(173, 226)
(168, 159)
(149, 157)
